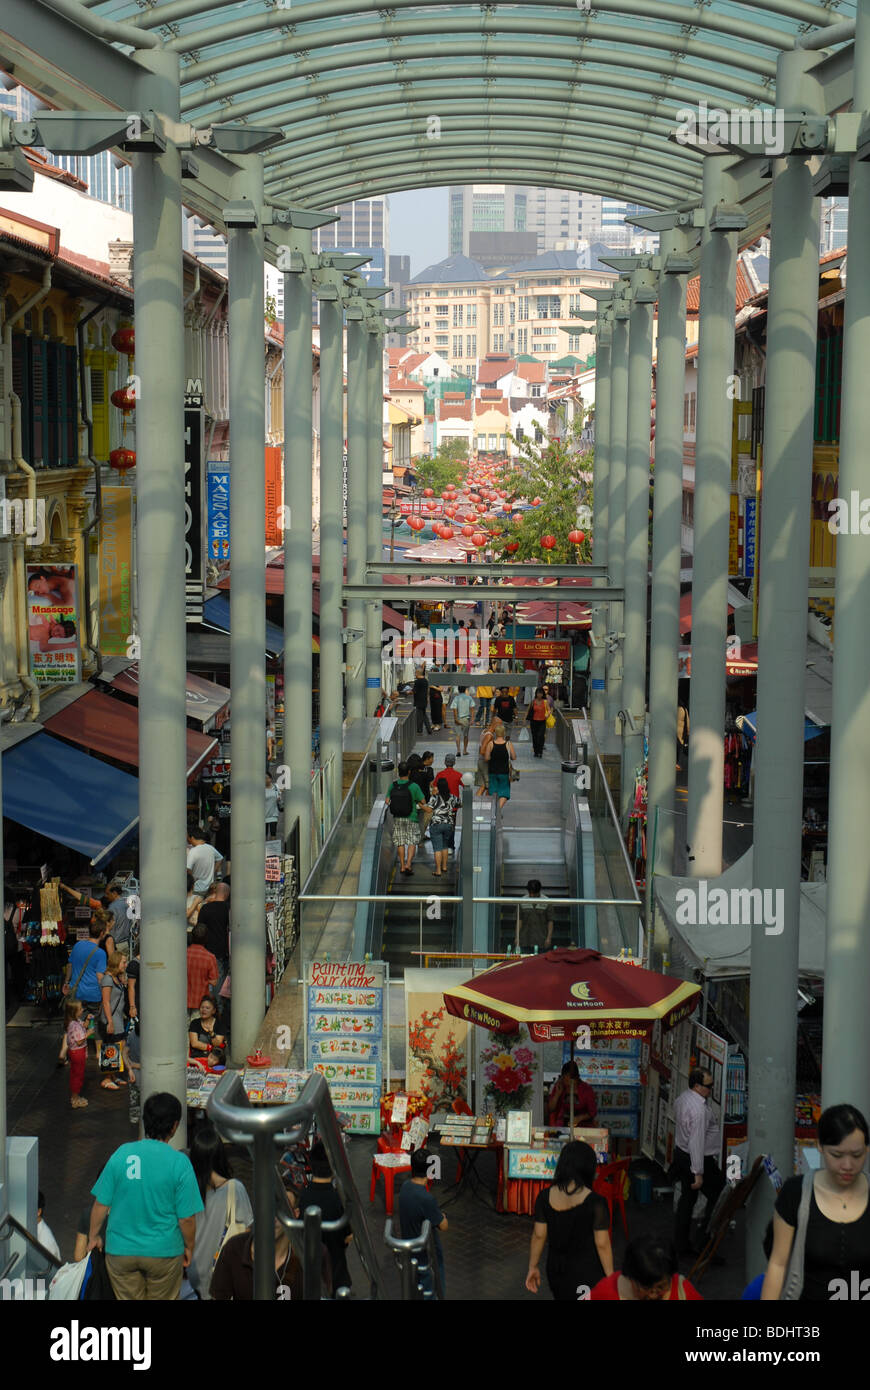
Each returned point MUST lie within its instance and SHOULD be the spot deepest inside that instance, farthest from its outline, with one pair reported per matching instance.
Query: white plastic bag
(67, 1282)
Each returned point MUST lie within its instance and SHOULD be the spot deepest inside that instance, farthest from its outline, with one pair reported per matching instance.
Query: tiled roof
(531, 371)
(454, 269)
(745, 291)
(493, 367)
(484, 407)
(454, 410)
(399, 382)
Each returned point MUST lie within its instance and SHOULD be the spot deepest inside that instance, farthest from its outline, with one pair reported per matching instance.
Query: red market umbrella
(558, 993)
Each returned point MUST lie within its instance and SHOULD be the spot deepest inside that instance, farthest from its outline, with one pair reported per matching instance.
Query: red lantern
(447, 533)
(536, 501)
(431, 506)
(428, 492)
(468, 530)
(122, 459)
(512, 547)
(124, 398)
(124, 340)
(576, 537)
(548, 542)
(479, 539)
(449, 511)
(416, 523)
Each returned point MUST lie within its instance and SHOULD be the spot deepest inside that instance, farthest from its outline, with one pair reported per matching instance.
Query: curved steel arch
(347, 135)
(404, 53)
(485, 26)
(591, 156)
(443, 171)
(321, 89)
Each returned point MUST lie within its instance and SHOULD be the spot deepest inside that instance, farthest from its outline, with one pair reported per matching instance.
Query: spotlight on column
(241, 214)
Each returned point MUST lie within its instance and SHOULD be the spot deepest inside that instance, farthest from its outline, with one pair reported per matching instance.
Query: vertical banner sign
(344, 489)
(734, 535)
(345, 1038)
(53, 624)
(115, 568)
(749, 538)
(194, 498)
(274, 496)
(218, 512)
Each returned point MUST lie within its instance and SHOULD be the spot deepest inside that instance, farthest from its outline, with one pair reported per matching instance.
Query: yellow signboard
(115, 566)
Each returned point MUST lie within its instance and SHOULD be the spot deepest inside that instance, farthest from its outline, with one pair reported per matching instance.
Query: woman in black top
(436, 705)
(574, 1222)
(837, 1248)
(207, 1042)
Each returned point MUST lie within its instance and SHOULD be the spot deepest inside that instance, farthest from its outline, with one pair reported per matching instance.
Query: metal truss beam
(563, 593)
(454, 568)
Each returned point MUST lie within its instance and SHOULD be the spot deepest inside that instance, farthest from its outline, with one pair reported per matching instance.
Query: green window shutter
(22, 386)
(96, 364)
(39, 378)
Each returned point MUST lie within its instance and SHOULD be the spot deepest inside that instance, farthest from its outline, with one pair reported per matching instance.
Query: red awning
(204, 699)
(686, 612)
(105, 725)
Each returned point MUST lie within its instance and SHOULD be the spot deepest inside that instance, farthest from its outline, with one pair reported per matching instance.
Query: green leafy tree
(559, 474)
(447, 466)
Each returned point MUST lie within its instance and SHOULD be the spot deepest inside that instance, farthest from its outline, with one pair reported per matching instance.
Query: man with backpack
(404, 799)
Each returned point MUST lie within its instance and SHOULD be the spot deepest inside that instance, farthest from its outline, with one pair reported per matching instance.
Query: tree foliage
(446, 466)
(559, 474)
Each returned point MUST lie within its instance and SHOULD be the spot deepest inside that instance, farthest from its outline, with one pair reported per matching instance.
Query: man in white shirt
(695, 1168)
(201, 861)
(463, 706)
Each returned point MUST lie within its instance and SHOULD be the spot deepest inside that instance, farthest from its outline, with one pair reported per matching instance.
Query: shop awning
(750, 726)
(78, 801)
(204, 700)
(105, 725)
(216, 614)
(723, 950)
(735, 600)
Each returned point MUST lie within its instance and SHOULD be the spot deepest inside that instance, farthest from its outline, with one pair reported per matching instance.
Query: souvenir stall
(572, 996)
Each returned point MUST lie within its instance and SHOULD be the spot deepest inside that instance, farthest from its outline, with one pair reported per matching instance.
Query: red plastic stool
(609, 1183)
(387, 1171)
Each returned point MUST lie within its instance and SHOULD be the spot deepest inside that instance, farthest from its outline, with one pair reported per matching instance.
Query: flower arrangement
(509, 1066)
(446, 1074)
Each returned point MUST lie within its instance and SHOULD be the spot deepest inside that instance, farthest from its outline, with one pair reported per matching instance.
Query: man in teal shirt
(149, 1192)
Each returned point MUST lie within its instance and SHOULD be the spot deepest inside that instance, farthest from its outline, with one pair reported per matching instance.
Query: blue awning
(216, 613)
(811, 728)
(69, 797)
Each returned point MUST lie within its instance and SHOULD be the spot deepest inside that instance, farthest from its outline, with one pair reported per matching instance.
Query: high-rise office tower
(362, 229)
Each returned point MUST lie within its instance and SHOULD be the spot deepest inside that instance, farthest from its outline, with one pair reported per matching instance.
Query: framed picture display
(519, 1127)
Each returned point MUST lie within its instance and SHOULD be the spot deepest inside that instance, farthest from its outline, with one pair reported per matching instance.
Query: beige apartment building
(463, 313)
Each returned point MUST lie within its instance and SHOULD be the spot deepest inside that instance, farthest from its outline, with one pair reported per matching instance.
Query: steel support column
(789, 407)
(298, 463)
(357, 498)
(847, 1018)
(616, 493)
(247, 615)
(712, 503)
(160, 503)
(665, 599)
(636, 527)
(331, 556)
(600, 507)
(374, 507)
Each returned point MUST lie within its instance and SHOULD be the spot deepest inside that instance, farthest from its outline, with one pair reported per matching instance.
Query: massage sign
(345, 1036)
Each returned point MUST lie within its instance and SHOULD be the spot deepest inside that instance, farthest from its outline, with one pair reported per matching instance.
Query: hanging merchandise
(738, 759)
(636, 837)
(124, 398)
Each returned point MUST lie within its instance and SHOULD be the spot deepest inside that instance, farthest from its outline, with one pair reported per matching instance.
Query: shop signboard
(115, 569)
(749, 507)
(218, 512)
(194, 501)
(53, 624)
(532, 1163)
(734, 535)
(344, 1035)
(274, 495)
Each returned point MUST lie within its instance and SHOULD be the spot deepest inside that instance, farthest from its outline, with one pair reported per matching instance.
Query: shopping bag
(110, 1057)
(97, 1286)
(523, 736)
(67, 1282)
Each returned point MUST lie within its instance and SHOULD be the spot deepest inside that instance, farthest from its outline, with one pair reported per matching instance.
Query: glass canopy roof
(380, 98)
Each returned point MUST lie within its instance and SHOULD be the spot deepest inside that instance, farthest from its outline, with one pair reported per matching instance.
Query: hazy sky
(418, 226)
